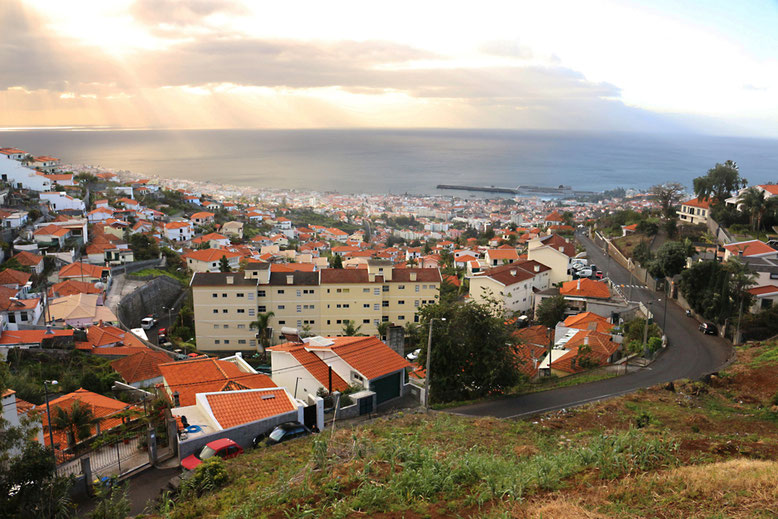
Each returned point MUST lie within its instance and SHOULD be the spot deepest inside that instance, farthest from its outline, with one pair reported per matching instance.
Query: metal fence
(111, 460)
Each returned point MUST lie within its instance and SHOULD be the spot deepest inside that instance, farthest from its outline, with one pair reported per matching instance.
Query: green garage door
(387, 387)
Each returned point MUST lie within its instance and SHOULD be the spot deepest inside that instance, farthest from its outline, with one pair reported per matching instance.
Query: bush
(210, 475)
(112, 502)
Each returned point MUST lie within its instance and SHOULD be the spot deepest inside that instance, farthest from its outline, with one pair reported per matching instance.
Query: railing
(110, 460)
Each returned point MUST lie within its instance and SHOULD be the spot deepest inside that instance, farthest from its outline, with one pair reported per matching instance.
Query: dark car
(709, 329)
(224, 448)
(287, 431)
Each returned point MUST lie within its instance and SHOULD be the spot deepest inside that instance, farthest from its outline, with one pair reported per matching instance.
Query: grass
(181, 278)
(768, 355)
(697, 451)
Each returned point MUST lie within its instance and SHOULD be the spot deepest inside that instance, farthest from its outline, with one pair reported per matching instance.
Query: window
(216, 310)
(375, 322)
(339, 321)
(241, 326)
(377, 291)
(376, 306)
(401, 302)
(385, 319)
(241, 341)
(217, 341)
(365, 290)
(261, 293)
(262, 308)
(251, 312)
(253, 343)
(226, 326)
(328, 321)
(365, 321)
(366, 305)
(416, 303)
(241, 294)
(226, 341)
(299, 292)
(251, 295)
(224, 310)
(400, 317)
(416, 318)
(299, 323)
(309, 322)
(385, 288)
(346, 290)
(417, 288)
(224, 295)
(281, 322)
(299, 308)
(773, 275)
(400, 287)
(385, 303)
(241, 310)
(280, 290)
(214, 295)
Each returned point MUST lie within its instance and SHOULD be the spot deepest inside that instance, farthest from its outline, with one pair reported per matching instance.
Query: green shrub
(208, 476)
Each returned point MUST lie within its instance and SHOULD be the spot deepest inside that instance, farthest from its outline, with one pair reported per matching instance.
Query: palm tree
(741, 277)
(261, 324)
(76, 422)
(754, 202)
(383, 329)
(349, 330)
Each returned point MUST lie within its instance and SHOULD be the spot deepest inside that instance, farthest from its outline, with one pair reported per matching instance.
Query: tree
(647, 227)
(337, 261)
(143, 247)
(755, 204)
(670, 260)
(668, 195)
(261, 325)
(349, 328)
(383, 329)
(716, 290)
(550, 311)
(719, 182)
(224, 264)
(473, 352)
(642, 253)
(76, 422)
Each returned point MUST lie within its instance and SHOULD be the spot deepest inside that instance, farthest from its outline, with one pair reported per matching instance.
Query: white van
(148, 323)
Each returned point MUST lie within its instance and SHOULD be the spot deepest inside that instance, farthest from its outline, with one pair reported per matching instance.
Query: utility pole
(427, 369)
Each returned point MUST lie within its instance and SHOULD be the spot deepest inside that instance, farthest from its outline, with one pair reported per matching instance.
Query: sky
(665, 66)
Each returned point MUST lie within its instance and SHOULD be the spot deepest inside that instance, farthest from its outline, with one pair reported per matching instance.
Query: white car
(414, 354)
(148, 323)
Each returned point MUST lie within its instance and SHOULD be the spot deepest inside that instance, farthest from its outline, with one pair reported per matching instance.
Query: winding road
(689, 354)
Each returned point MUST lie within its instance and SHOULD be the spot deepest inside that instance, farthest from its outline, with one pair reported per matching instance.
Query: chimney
(579, 283)
(371, 277)
(176, 400)
(537, 268)
(413, 276)
(290, 279)
(586, 340)
(513, 272)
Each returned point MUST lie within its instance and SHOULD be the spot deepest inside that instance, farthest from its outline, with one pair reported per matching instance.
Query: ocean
(404, 161)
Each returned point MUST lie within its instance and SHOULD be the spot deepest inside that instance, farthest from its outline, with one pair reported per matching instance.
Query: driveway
(689, 354)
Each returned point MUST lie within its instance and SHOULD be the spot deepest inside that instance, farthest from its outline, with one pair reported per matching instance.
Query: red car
(224, 448)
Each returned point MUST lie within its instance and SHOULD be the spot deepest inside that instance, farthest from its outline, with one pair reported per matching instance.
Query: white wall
(17, 174)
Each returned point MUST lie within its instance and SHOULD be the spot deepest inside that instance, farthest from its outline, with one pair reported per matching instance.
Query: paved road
(689, 355)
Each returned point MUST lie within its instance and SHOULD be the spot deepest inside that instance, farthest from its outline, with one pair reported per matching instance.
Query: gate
(366, 405)
(309, 415)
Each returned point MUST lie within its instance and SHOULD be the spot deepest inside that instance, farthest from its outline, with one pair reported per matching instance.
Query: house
(579, 350)
(769, 190)
(61, 201)
(13, 219)
(334, 363)
(79, 311)
(184, 380)
(586, 321)
(84, 272)
(26, 339)
(15, 311)
(209, 260)
(108, 413)
(100, 214)
(178, 231)
(70, 287)
(581, 292)
(533, 347)
(695, 210)
(13, 153)
(553, 219)
(239, 415)
(51, 236)
(141, 369)
(15, 279)
(16, 413)
(553, 251)
(21, 177)
(30, 260)
(47, 164)
(513, 285)
(497, 257)
(110, 341)
(214, 240)
(234, 229)
(765, 297)
(749, 249)
(202, 218)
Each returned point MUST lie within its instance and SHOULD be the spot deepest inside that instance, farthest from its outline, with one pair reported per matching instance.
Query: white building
(61, 201)
(14, 173)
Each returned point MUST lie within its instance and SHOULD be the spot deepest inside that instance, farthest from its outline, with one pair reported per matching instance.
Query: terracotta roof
(763, 290)
(76, 270)
(702, 203)
(51, 230)
(602, 347)
(503, 254)
(140, 366)
(292, 267)
(202, 215)
(206, 375)
(71, 287)
(28, 259)
(529, 356)
(9, 337)
(452, 280)
(557, 242)
(770, 188)
(585, 288)
(537, 335)
(554, 217)
(422, 275)
(210, 255)
(14, 277)
(234, 408)
(318, 368)
(588, 321)
(100, 336)
(750, 248)
(368, 355)
(177, 225)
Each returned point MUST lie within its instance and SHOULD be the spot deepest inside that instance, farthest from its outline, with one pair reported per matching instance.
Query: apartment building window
(376, 306)
(400, 287)
(281, 322)
(241, 310)
(241, 294)
(385, 288)
(226, 326)
(241, 326)
(339, 321)
(262, 308)
(309, 322)
(241, 341)
(224, 295)
(253, 343)
(365, 321)
(216, 310)
(416, 318)
(366, 305)
(299, 292)
(365, 290)
(299, 323)
(261, 293)
(417, 288)
(401, 302)
(385, 319)
(251, 296)
(377, 291)
(375, 322)
(251, 312)
(217, 341)
(281, 307)
(385, 303)
(214, 295)
(224, 310)
(400, 317)
(226, 341)
(416, 303)
(308, 291)
(281, 291)
(299, 308)
(346, 290)
(328, 321)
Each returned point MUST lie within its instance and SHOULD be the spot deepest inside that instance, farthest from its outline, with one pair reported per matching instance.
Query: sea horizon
(400, 160)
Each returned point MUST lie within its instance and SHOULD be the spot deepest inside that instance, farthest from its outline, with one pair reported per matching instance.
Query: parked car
(224, 448)
(709, 329)
(287, 431)
(162, 333)
(598, 274)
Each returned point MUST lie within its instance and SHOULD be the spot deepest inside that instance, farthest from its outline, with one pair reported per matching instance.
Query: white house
(178, 231)
(13, 219)
(513, 285)
(14, 173)
(61, 201)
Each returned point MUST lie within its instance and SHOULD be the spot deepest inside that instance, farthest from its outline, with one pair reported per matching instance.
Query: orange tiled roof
(71, 287)
(238, 407)
(702, 203)
(762, 290)
(585, 288)
(588, 321)
(14, 277)
(529, 357)
(206, 375)
(31, 336)
(537, 335)
(368, 355)
(318, 368)
(140, 366)
(750, 248)
(78, 269)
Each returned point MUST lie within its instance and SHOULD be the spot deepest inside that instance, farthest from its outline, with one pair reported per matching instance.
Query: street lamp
(169, 318)
(48, 415)
(427, 370)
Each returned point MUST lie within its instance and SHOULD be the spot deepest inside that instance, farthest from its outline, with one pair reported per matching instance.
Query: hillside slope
(690, 450)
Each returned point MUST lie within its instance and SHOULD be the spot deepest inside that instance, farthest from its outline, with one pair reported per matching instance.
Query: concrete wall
(243, 435)
(149, 299)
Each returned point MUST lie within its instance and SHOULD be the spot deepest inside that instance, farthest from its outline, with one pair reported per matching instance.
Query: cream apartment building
(320, 302)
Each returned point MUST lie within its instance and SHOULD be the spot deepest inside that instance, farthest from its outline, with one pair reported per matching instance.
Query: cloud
(506, 49)
(182, 13)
